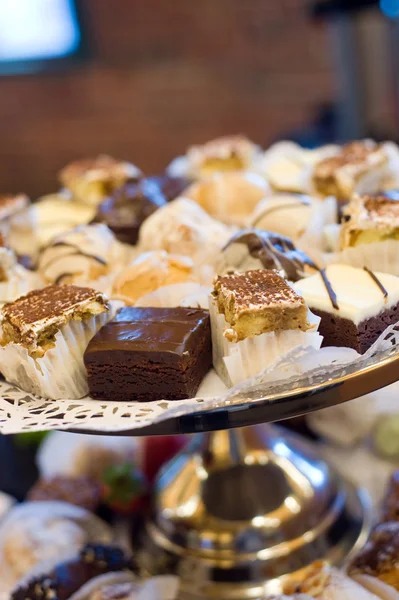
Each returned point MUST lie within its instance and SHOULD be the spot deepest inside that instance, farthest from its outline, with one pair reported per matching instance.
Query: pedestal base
(238, 511)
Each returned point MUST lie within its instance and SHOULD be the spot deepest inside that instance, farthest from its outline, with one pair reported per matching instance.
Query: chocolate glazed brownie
(148, 354)
(343, 332)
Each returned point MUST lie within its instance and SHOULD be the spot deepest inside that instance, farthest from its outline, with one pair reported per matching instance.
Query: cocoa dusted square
(149, 354)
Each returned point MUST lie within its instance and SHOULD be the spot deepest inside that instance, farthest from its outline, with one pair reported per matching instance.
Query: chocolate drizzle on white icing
(377, 282)
(332, 295)
(274, 251)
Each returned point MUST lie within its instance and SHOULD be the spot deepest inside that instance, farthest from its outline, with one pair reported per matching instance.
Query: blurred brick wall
(163, 74)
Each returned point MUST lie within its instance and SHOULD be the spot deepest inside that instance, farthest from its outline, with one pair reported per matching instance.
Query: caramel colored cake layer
(370, 219)
(337, 175)
(257, 302)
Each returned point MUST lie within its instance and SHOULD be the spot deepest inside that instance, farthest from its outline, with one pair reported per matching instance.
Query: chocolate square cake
(355, 305)
(148, 354)
(369, 219)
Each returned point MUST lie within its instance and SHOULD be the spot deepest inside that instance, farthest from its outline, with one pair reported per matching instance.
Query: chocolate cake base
(149, 354)
(338, 331)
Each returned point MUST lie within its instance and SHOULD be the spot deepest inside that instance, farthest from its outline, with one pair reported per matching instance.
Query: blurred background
(143, 80)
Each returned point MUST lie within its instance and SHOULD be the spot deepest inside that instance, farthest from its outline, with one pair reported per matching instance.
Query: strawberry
(124, 488)
(158, 450)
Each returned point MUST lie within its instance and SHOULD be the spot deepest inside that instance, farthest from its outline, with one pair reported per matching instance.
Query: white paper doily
(21, 412)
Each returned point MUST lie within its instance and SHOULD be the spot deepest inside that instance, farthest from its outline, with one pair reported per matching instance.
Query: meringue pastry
(229, 153)
(293, 215)
(56, 213)
(288, 167)
(151, 271)
(183, 227)
(229, 197)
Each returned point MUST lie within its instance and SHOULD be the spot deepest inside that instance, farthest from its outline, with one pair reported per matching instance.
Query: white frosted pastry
(80, 255)
(36, 533)
(91, 180)
(44, 337)
(229, 197)
(183, 227)
(229, 153)
(288, 167)
(322, 582)
(358, 296)
(150, 272)
(294, 215)
(57, 213)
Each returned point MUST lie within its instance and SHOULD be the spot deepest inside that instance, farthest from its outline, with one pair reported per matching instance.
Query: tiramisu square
(149, 354)
(359, 167)
(256, 317)
(355, 305)
(369, 219)
(256, 302)
(44, 336)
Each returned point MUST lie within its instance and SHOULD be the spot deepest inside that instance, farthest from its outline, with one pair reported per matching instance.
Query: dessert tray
(342, 375)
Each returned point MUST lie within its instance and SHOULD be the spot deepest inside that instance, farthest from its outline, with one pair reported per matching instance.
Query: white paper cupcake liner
(382, 257)
(60, 373)
(378, 588)
(177, 294)
(236, 362)
(325, 212)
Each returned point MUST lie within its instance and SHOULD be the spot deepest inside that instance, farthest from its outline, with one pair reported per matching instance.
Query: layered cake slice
(359, 167)
(148, 354)
(44, 335)
(256, 317)
(369, 219)
(355, 305)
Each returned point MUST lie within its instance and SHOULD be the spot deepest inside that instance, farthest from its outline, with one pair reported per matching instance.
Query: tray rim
(280, 406)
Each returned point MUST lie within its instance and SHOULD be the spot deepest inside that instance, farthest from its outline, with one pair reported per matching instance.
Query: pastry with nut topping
(256, 317)
(44, 336)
